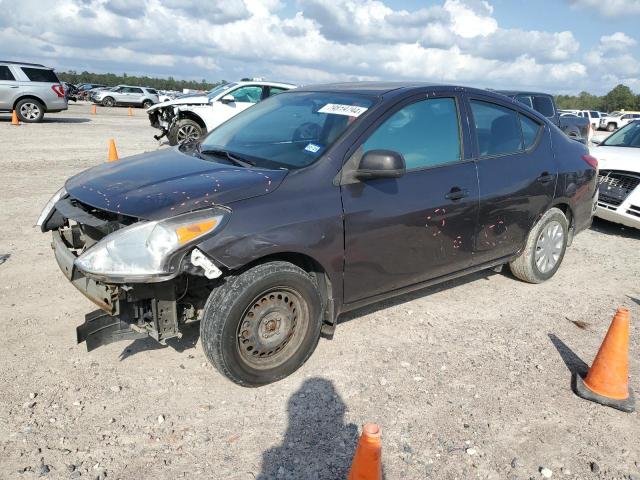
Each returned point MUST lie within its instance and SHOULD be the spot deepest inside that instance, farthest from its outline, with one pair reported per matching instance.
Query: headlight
(48, 208)
(148, 251)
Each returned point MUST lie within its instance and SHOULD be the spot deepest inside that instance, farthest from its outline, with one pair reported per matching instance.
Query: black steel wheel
(263, 324)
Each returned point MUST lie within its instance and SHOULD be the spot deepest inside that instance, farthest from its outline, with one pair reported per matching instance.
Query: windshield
(290, 130)
(218, 90)
(627, 136)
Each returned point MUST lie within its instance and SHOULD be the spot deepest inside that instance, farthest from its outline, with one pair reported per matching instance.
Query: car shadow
(50, 119)
(4, 257)
(423, 292)
(609, 228)
(318, 443)
(189, 339)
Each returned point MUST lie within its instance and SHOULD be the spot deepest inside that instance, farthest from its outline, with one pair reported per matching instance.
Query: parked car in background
(189, 117)
(31, 90)
(618, 120)
(126, 95)
(592, 115)
(86, 89)
(619, 161)
(314, 202)
(577, 128)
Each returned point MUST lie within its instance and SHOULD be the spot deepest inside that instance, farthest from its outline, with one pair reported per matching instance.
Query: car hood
(617, 158)
(168, 182)
(197, 100)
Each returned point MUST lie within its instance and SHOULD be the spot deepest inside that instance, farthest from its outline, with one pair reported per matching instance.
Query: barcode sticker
(339, 109)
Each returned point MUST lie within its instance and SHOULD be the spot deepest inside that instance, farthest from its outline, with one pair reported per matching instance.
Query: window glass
(5, 73)
(152, 91)
(135, 90)
(497, 128)
(544, 105)
(40, 75)
(628, 136)
(526, 99)
(248, 94)
(530, 129)
(595, 115)
(426, 133)
(276, 90)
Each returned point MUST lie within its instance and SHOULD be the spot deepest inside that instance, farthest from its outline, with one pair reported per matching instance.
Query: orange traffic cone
(113, 153)
(14, 118)
(607, 382)
(93, 109)
(130, 112)
(366, 464)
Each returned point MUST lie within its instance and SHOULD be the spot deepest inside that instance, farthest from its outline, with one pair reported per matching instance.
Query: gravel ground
(470, 379)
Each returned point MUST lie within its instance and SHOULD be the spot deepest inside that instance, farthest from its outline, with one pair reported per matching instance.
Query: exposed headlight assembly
(148, 251)
(48, 208)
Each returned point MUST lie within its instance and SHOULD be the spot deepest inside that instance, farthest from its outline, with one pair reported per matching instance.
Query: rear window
(595, 114)
(544, 105)
(152, 91)
(5, 73)
(40, 75)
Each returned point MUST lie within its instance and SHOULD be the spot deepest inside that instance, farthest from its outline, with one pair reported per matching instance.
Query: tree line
(111, 79)
(620, 98)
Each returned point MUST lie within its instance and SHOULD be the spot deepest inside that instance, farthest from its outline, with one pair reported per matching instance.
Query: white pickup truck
(618, 120)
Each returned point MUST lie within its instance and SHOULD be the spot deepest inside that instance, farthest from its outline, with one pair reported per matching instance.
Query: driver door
(420, 226)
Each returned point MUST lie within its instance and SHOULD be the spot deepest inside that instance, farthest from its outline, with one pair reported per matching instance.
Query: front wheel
(544, 250)
(263, 324)
(185, 131)
(108, 102)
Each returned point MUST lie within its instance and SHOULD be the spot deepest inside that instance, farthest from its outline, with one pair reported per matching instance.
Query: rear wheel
(611, 127)
(185, 131)
(30, 110)
(147, 104)
(108, 102)
(544, 250)
(262, 325)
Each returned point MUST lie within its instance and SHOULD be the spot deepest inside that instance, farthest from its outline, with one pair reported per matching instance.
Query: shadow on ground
(574, 363)
(317, 444)
(609, 228)
(51, 118)
(190, 335)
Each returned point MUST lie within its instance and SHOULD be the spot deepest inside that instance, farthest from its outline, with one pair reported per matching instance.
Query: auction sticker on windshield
(339, 109)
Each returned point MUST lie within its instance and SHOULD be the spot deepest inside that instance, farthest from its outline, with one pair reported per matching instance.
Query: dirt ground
(470, 379)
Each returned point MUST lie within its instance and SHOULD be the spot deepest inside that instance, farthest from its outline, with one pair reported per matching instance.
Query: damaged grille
(615, 187)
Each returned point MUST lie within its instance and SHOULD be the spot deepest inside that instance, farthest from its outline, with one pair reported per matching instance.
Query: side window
(276, 90)
(544, 105)
(497, 128)
(5, 73)
(530, 130)
(248, 94)
(40, 75)
(135, 90)
(426, 133)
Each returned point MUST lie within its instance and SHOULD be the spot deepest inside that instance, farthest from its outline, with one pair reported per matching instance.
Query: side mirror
(227, 99)
(380, 164)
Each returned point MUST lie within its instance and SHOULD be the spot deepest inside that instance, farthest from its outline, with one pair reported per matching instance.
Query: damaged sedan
(312, 203)
(188, 118)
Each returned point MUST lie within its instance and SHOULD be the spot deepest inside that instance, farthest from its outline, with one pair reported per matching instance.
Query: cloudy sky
(561, 46)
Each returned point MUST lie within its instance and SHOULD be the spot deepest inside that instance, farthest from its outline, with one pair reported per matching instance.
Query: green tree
(620, 98)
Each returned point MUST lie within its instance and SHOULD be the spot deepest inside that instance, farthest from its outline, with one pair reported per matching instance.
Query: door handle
(456, 193)
(545, 177)
(13, 86)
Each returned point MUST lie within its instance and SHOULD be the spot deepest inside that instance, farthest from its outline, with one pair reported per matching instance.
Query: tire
(263, 324)
(108, 102)
(531, 265)
(184, 131)
(611, 127)
(30, 110)
(147, 104)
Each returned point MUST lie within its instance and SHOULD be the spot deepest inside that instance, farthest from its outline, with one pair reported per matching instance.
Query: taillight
(591, 160)
(58, 90)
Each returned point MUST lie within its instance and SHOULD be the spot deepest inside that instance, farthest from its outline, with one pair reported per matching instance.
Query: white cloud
(456, 41)
(609, 8)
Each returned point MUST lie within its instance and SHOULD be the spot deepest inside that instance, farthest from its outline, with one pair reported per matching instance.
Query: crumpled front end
(162, 118)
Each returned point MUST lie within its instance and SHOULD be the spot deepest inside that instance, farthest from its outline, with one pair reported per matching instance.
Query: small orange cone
(367, 464)
(607, 382)
(14, 118)
(130, 112)
(113, 153)
(93, 109)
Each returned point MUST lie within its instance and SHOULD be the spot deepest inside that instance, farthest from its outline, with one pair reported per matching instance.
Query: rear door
(9, 88)
(402, 231)
(134, 95)
(517, 173)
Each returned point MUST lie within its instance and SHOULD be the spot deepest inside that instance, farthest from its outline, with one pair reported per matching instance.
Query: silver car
(126, 95)
(31, 90)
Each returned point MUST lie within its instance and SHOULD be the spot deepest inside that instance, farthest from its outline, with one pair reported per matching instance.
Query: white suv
(618, 120)
(126, 95)
(189, 117)
(31, 90)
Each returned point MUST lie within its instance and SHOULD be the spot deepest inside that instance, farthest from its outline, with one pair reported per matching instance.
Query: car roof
(26, 64)
(510, 93)
(261, 82)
